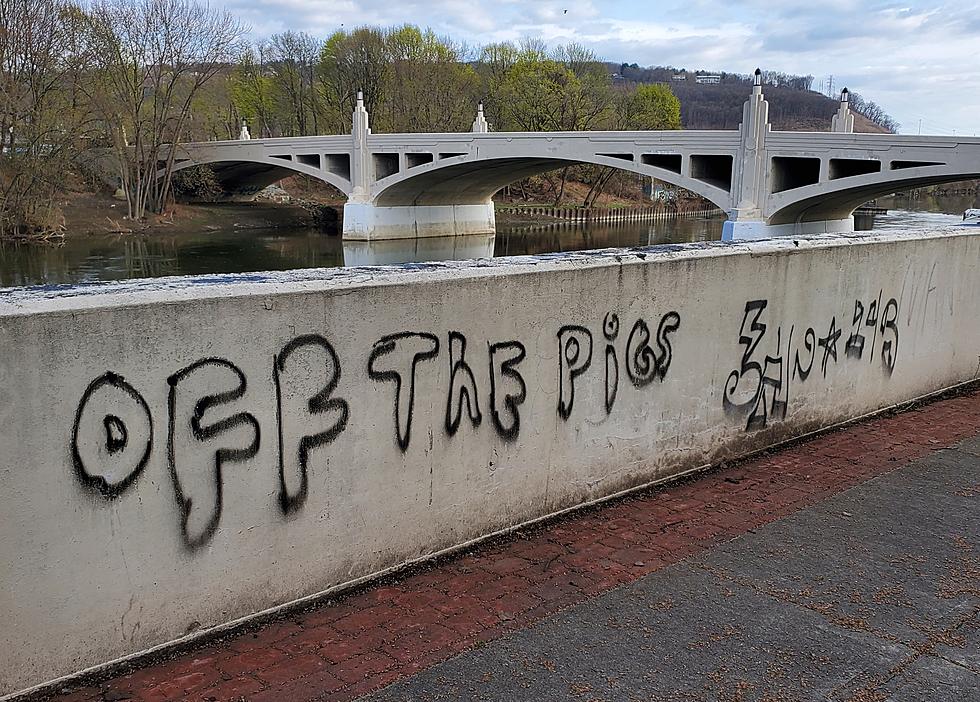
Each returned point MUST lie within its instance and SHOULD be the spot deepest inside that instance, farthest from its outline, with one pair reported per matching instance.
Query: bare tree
(153, 57)
(430, 87)
(352, 62)
(42, 111)
(293, 57)
(495, 62)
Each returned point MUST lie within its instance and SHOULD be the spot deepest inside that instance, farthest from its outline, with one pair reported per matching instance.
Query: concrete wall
(178, 454)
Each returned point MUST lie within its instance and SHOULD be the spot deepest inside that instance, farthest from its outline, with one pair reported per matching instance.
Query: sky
(919, 60)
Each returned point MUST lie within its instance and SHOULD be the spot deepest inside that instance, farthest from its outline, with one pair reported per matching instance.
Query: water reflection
(449, 248)
(924, 221)
(83, 259)
(538, 239)
(90, 258)
(93, 258)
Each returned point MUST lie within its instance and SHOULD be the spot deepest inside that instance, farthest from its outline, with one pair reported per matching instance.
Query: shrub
(196, 182)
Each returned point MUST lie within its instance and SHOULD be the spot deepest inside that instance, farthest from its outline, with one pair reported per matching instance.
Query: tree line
(415, 81)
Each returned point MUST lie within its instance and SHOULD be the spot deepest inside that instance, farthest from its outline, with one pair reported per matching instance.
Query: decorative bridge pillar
(843, 121)
(745, 220)
(360, 164)
(480, 125)
(365, 220)
(751, 176)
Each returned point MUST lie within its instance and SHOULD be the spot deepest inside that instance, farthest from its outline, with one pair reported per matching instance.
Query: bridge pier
(747, 230)
(367, 222)
(754, 183)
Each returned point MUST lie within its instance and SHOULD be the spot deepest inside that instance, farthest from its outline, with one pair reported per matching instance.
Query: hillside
(720, 107)
(793, 106)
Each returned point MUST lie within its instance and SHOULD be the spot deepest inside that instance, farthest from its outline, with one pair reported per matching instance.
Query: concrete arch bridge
(770, 183)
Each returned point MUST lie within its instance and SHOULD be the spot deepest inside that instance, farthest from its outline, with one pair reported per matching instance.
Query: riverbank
(100, 214)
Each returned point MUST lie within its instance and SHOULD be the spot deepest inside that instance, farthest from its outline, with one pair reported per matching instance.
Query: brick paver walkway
(348, 647)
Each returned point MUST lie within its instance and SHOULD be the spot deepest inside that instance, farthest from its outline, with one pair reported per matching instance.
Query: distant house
(708, 79)
(679, 77)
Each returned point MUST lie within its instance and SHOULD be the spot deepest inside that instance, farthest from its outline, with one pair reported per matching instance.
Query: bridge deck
(780, 138)
(840, 568)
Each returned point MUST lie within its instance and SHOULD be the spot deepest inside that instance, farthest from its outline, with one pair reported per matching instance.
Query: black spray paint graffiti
(610, 330)
(759, 390)
(407, 349)
(574, 358)
(201, 503)
(752, 373)
(828, 344)
(117, 419)
(112, 434)
(334, 410)
(643, 362)
(885, 324)
(411, 348)
(504, 359)
(462, 386)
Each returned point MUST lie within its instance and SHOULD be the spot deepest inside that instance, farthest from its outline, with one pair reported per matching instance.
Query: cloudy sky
(920, 60)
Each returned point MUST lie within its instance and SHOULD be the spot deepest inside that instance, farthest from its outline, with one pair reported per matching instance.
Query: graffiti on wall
(209, 433)
(329, 414)
(775, 360)
(111, 463)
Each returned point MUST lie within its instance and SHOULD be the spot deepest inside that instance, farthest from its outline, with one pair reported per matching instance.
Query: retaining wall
(604, 214)
(182, 453)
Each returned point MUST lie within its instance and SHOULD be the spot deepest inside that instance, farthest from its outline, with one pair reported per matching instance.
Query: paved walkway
(843, 568)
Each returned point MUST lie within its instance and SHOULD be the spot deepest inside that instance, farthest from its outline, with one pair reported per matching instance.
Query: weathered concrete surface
(179, 454)
(872, 595)
(365, 222)
(343, 648)
(389, 252)
(748, 230)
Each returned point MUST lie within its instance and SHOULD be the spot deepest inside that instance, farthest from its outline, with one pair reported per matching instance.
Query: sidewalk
(843, 568)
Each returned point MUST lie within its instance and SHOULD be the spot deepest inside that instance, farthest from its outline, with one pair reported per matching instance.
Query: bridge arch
(247, 176)
(838, 199)
(468, 180)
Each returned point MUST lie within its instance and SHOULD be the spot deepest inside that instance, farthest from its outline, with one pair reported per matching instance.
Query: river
(96, 258)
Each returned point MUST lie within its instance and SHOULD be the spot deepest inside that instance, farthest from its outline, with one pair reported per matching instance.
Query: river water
(95, 258)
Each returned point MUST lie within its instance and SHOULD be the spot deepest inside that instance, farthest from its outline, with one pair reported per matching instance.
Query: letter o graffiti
(610, 326)
(112, 436)
(572, 350)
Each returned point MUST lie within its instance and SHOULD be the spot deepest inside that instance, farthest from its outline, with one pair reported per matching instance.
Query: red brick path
(345, 649)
